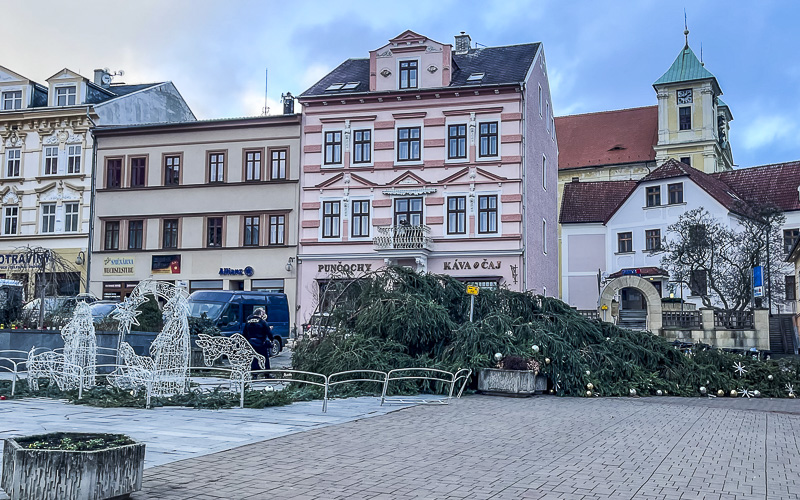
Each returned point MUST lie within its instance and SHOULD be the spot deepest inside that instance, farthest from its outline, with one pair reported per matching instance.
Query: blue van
(229, 310)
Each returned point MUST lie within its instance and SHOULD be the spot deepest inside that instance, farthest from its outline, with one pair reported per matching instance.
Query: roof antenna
(685, 28)
(265, 110)
(701, 55)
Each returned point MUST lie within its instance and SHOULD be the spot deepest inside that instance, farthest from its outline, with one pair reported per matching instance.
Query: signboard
(119, 266)
(758, 281)
(20, 261)
(227, 271)
(628, 272)
(166, 264)
(472, 290)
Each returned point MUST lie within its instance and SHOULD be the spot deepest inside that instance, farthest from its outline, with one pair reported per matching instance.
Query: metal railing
(403, 238)
(588, 313)
(688, 320)
(734, 320)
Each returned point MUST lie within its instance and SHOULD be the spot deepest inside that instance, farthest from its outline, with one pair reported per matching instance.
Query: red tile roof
(584, 202)
(774, 184)
(607, 138)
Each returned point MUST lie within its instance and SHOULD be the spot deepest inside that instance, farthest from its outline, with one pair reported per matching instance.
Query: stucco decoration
(14, 141)
(385, 72)
(170, 349)
(11, 197)
(80, 343)
(238, 351)
(432, 69)
(385, 53)
(75, 139)
(51, 139)
(650, 293)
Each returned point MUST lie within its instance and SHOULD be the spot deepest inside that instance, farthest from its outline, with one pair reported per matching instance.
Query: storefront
(60, 272)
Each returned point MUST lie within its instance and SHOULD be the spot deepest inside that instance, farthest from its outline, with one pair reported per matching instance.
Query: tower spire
(685, 28)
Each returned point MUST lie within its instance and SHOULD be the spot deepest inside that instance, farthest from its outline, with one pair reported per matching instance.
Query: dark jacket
(257, 332)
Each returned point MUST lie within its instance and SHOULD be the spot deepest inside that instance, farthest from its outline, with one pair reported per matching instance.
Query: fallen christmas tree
(396, 318)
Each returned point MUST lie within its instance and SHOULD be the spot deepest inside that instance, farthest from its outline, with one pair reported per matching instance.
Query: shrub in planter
(514, 376)
(67, 466)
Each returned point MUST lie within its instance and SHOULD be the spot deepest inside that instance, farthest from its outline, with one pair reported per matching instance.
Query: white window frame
(447, 126)
(47, 154)
(10, 212)
(47, 218)
(544, 236)
(340, 163)
(322, 219)
(371, 162)
(544, 172)
(368, 199)
(476, 212)
(469, 212)
(69, 216)
(478, 157)
(7, 97)
(541, 101)
(547, 117)
(74, 156)
(421, 160)
(13, 155)
(66, 95)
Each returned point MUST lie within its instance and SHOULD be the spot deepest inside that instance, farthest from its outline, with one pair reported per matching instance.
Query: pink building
(439, 158)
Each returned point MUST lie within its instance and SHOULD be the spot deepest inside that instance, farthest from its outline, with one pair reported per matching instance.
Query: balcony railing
(733, 320)
(687, 320)
(403, 238)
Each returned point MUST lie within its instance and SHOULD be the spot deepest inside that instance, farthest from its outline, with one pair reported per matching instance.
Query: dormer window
(66, 96)
(350, 85)
(475, 77)
(12, 99)
(408, 74)
(334, 87)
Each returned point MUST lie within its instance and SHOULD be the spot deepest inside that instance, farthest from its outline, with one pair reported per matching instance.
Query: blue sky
(601, 54)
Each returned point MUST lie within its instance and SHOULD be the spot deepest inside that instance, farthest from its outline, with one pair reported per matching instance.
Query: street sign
(758, 281)
(629, 272)
(472, 290)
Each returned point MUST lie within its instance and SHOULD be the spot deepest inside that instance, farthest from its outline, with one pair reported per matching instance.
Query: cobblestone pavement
(545, 447)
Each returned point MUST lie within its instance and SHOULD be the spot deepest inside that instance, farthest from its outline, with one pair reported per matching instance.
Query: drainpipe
(524, 191)
(91, 205)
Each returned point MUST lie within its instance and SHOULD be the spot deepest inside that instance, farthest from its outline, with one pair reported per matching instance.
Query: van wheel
(276, 347)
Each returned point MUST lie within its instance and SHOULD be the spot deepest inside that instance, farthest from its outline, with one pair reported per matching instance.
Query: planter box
(67, 475)
(515, 383)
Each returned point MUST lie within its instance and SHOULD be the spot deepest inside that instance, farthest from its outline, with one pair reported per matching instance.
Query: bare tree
(53, 274)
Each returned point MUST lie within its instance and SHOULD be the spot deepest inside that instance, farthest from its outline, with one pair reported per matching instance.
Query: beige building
(793, 282)
(211, 205)
(46, 165)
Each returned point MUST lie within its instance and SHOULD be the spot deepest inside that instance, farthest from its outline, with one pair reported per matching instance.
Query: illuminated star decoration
(790, 389)
(745, 392)
(739, 368)
(126, 312)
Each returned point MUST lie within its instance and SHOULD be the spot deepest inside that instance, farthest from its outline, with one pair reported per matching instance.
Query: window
(13, 157)
(216, 167)
(408, 144)
(624, 242)
(547, 116)
(135, 234)
(277, 229)
(330, 219)
(252, 165)
(457, 215)
(475, 77)
(12, 99)
(170, 234)
(408, 74)
(653, 196)
(360, 221)
(544, 237)
(172, 170)
(112, 235)
(687, 160)
(652, 239)
(48, 217)
(51, 160)
(214, 232)
(541, 102)
(65, 96)
(71, 216)
(685, 118)
(113, 173)
(675, 192)
(138, 166)
(333, 147)
(789, 238)
(278, 164)
(487, 138)
(408, 212)
(791, 288)
(487, 214)
(252, 230)
(74, 160)
(698, 283)
(457, 141)
(10, 220)
(362, 146)
(544, 172)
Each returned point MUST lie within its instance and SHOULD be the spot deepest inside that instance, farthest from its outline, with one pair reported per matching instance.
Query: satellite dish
(106, 79)
(121, 73)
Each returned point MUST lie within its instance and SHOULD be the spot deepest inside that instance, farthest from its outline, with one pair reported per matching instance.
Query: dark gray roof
(507, 64)
(123, 89)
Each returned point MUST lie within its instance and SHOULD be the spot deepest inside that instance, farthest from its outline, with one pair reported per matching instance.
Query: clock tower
(693, 122)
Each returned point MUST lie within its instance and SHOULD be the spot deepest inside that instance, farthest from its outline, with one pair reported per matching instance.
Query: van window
(230, 316)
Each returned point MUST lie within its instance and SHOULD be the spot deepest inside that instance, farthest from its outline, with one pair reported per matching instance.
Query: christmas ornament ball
(659, 392)
(632, 392)
(2, 398)
(770, 377)
(498, 356)
(791, 395)
(588, 393)
(703, 390)
(535, 348)
(733, 393)
(588, 372)
(720, 393)
(590, 386)
(547, 361)
(757, 393)
(552, 391)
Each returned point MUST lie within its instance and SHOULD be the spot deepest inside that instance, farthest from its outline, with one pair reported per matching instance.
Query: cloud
(765, 131)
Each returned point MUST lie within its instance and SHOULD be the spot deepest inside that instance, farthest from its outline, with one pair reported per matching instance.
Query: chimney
(288, 104)
(98, 76)
(463, 42)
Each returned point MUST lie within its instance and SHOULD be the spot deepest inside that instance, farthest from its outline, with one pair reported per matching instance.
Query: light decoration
(238, 351)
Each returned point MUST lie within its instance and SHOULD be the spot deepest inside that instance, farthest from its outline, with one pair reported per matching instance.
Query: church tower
(693, 122)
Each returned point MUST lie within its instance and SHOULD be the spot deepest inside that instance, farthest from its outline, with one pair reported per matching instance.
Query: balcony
(403, 238)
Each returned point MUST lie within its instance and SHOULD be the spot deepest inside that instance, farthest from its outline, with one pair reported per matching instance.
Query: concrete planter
(514, 383)
(67, 475)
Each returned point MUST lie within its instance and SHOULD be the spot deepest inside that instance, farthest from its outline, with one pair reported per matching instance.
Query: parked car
(60, 303)
(102, 309)
(229, 310)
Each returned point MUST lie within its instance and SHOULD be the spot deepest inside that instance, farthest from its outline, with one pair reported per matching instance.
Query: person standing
(259, 334)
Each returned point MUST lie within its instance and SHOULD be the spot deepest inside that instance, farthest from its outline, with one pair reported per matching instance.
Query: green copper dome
(686, 68)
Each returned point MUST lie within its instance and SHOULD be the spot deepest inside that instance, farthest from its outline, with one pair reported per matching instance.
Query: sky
(601, 54)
